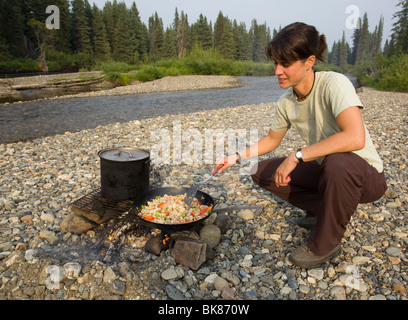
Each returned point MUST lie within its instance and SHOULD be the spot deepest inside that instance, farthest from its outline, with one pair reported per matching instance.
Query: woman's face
(292, 75)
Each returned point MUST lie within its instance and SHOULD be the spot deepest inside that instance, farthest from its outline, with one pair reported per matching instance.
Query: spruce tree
(219, 29)
(202, 33)
(81, 41)
(62, 39)
(363, 47)
(182, 32)
(259, 41)
(227, 45)
(12, 25)
(122, 50)
(243, 46)
(156, 33)
(343, 53)
(169, 49)
(399, 38)
(139, 39)
(101, 45)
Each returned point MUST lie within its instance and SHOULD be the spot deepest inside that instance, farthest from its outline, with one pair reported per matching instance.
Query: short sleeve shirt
(315, 118)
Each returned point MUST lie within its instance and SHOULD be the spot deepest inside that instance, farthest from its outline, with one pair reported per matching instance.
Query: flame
(110, 237)
(166, 239)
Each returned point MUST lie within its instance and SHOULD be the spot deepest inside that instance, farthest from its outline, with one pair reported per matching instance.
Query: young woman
(339, 166)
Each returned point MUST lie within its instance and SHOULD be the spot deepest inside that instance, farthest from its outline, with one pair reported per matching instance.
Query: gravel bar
(40, 179)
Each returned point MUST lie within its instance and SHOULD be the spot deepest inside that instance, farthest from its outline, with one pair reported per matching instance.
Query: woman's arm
(262, 147)
(350, 138)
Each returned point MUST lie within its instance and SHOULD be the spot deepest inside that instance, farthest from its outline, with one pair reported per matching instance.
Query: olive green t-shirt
(315, 118)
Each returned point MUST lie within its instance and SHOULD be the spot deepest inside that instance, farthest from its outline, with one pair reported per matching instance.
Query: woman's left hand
(282, 174)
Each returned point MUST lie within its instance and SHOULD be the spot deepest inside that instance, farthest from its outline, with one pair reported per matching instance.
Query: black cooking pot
(204, 198)
(124, 173)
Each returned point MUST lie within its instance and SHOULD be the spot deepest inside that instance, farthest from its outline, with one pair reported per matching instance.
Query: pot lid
(124, 154)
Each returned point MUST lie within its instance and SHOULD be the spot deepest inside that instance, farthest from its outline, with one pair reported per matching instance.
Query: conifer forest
(114, 38)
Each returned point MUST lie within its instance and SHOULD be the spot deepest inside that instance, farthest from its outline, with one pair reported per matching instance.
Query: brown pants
(330, 191)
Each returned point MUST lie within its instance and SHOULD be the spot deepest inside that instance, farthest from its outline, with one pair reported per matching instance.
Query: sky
(330, 17)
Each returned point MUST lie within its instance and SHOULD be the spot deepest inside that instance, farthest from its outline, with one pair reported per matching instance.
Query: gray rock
(173, 293)
(211, 235)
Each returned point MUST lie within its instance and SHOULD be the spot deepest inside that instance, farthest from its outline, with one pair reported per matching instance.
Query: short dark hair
(297, 41)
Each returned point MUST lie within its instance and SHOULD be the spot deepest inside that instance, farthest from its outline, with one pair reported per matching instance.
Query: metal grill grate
(99, 209)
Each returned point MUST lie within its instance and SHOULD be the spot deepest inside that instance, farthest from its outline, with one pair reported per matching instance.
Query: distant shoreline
(94, 86)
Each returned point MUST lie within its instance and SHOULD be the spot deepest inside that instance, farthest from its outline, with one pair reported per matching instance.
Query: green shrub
(123, 79)
(388, 74)
(19, 65)
(113, 66)
(149, 73)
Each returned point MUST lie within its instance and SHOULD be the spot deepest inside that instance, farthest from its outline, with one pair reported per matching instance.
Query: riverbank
(41, 178)
(64, 86)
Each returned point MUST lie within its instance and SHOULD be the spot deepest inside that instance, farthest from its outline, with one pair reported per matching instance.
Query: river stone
(318, 273)
(75, 224)
(109, 275)
(211, 235)
(338, 293)
(391, 193)
(246, 214)
(393, 251)
(118, 287)
(190, 253)
(173, 293)
(169, 274)
(220, 283)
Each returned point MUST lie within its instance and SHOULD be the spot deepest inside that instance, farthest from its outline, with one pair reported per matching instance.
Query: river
(42, 118)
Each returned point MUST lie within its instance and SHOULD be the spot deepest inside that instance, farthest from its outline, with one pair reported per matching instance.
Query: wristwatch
(299, 155)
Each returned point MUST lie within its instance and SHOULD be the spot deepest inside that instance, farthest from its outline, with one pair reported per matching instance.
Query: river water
(37, 119)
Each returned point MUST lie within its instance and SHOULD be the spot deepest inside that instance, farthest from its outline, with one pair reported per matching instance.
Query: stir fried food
(172, 210)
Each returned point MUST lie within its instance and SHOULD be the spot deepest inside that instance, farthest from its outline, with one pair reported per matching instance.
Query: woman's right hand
(225, 163)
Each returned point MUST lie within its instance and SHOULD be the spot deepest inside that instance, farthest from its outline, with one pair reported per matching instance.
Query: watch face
(299, 154)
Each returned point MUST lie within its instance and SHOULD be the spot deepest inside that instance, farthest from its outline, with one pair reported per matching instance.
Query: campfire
(120, 233)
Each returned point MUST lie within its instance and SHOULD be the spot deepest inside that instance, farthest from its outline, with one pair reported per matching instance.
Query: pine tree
(12, 25)
(343, 53)
(219, 29)
(81, 41)
(363, 46)
(156, 33)
(227, 45)
(259, 41)
(169, 49)
(101, 45)
(138, 35)
(378, 37)
(399, 38)
(62, 40)
(243, 46)
(356, 39)
(334, 54)
(109, 19)
(122, 50)
(182, 31)
(202, 33)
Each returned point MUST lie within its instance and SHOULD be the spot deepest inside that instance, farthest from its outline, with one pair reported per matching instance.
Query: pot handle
(128, 152)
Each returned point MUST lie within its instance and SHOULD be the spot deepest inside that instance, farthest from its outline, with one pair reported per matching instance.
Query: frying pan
(204, 198)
